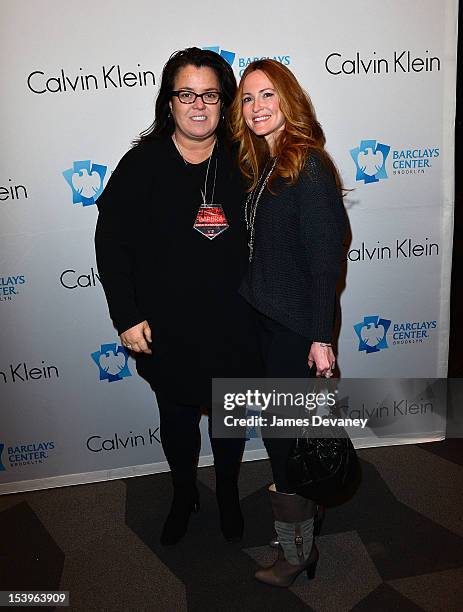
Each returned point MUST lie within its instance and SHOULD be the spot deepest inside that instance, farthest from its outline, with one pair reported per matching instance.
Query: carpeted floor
(396, 545)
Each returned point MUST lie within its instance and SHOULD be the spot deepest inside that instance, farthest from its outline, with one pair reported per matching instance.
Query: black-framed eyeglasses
(189, 97)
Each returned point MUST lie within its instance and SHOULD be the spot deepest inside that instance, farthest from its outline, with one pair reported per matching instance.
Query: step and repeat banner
(80, 83)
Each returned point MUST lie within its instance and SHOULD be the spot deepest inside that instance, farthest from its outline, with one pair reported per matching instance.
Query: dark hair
(163, 123)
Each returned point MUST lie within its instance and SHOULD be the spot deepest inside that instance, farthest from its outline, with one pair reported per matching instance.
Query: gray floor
(397, 544)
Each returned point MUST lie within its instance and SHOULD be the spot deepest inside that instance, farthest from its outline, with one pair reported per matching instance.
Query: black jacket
(153, 265)
(299, 231)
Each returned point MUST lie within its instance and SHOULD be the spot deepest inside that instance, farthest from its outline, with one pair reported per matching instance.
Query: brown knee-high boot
(294, 526)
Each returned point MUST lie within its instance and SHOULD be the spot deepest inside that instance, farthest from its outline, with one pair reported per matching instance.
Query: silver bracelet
(325, 344)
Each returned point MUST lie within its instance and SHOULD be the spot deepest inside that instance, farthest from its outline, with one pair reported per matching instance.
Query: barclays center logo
(371, 333)
(112, 361)
(10, 286)
(28, 453)
(2, 467)
(242, 61)
(86, 181)
(370, 161)
(228, 56)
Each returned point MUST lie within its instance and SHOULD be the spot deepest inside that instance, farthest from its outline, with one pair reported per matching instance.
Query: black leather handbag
(322, 468)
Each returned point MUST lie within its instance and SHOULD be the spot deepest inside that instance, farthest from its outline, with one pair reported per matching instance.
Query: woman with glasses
(296, 222)
(171, 251)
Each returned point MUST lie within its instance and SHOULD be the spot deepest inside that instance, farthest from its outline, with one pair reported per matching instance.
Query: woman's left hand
(323, 357)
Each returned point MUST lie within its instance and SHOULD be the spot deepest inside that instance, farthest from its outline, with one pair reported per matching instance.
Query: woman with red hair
(296, 225)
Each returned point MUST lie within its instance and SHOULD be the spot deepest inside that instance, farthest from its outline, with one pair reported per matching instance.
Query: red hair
(301, 134)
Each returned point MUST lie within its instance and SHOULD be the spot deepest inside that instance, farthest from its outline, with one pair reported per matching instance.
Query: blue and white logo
(228, 56)
(30, 453)
(370, 161)
(86, 181)
(112, 361)
(252, 430)
(245, 60)
(371, 333)
(2, 467)
(10, 286)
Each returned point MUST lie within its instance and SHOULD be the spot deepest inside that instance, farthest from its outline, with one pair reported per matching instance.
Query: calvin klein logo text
(22, 372)
(112, 77)
(401, 62)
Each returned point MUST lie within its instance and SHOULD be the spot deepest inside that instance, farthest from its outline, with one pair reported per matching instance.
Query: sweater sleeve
(322, 227)
(115, 238)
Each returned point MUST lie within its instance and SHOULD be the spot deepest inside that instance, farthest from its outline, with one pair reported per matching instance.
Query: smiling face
(197, 121)
(261, 107)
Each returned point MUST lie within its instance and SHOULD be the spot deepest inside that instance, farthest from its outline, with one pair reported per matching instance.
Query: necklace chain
(177, 146)
(203, 192)
(179, 149)
(250, 208)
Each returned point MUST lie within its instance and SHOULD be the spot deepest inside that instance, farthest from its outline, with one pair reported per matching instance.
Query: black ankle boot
(231, 518)
(176, 525)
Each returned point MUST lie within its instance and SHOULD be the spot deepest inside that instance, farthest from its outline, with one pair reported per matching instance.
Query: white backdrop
(80, 84)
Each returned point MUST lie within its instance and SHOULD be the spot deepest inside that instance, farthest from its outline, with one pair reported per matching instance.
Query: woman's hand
(322, 355)
(136, 338)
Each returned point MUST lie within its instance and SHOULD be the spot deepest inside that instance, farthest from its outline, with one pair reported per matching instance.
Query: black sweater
(298, 251)
(153, 265)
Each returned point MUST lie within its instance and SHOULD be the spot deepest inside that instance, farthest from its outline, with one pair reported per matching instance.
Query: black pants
(284, 354)
(181, 442)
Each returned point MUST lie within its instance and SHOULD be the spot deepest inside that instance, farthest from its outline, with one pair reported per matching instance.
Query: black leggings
(284, 354)
(181, 442)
